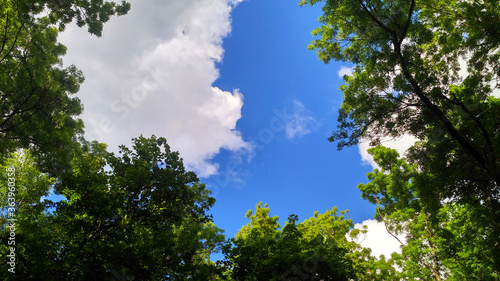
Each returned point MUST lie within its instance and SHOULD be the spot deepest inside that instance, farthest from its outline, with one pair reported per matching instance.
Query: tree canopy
(426, 68)
(145, 216)
(38, 108)
(316, 249)
(455, 242)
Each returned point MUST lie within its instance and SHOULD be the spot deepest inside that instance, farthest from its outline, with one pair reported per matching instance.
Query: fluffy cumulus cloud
(152, 73)
(379, 240)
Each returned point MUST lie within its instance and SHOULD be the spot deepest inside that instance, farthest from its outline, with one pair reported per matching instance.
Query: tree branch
(385, 224)
(436, 110)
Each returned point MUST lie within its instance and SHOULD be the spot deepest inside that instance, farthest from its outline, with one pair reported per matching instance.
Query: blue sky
(267, 59)
(233, 88)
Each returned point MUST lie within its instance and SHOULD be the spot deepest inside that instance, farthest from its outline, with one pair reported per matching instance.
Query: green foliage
(316, 249)
(91, 13)
(447, 240)
(37, 110)
(136, 216)
(24, 214)
(37, 107)
(427, 69)
(407, 80)
(139, 213)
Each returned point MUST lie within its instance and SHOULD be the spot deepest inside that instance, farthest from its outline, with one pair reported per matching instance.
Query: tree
(143, 218)
(24, 221)
(428, 69)
(454, 242)
(316, 249)
(407, 80)
(37, 109)
(91, 13)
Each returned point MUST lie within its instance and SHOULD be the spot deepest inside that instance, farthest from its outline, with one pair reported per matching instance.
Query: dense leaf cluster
(316, 249)
(144, 215)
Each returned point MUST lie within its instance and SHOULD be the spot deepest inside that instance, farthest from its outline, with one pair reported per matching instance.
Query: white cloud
(379, 240)
(496, 93)
(366, 158)
(300, 122)
(152, 73)
(400, 144)
(344, 70)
